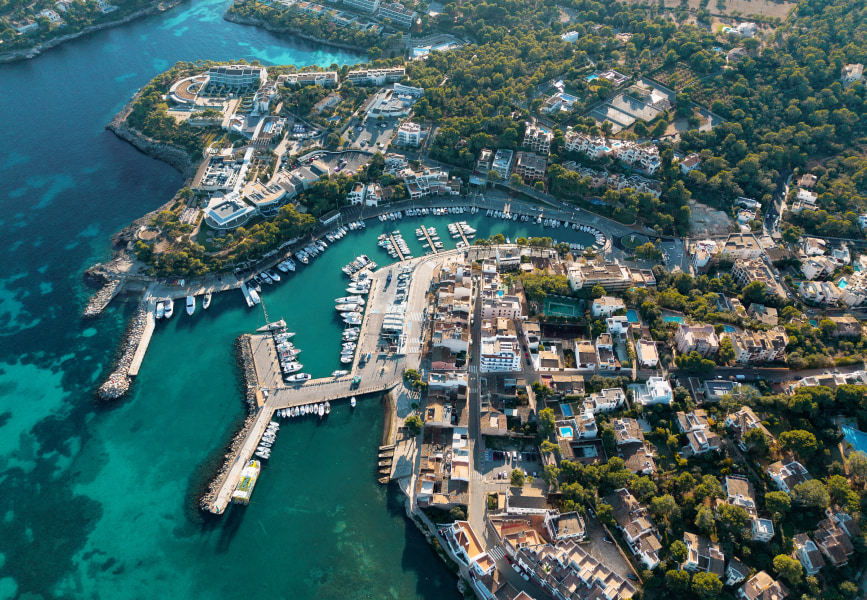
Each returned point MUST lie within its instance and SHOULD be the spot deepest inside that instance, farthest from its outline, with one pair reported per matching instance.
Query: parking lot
(373, 133)
(497, 467)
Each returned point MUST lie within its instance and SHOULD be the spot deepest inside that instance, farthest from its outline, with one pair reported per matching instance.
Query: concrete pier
(429, 240)
(463, 235)
(379, 374)
(396, 248)
(141, 349)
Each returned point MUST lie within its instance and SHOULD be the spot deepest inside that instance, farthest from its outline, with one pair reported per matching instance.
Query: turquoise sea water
(97, 502)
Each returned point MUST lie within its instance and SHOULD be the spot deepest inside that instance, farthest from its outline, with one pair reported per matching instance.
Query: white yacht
(298, 377)
(254, 296)
(191, 305)
(170, 308)
(206, 302)
(339, 373)
(352, 402)
(160, 310)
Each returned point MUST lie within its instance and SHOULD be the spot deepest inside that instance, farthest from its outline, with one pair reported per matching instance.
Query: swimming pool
(857, 438)
(672, 319)
(631, 315)
(566, 432)
(841, 284)
(814, 322)
(566, 410)
(500, 293)
(729, 328)
(592, 77)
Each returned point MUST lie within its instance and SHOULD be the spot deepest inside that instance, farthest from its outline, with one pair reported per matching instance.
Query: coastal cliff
(239, 20)
(173, 155)
(34, 51)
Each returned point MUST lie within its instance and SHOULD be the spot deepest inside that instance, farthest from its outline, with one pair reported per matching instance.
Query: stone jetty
(100, 299)
(244, 349)
(234, 447)
(118, 382)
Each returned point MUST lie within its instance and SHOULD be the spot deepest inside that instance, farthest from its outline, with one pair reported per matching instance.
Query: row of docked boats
(320, 408)
(164, 309)
(600, 237)
(455, 230)
(268, 439)
(349, 344)
(432, 234)
(394, 248)
(311, 251)
(360, 284)
(360, 262)
(392, 216)
(440, 211)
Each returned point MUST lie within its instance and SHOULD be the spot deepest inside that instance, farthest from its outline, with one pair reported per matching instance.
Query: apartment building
(696, 338)
(606, 306)
(758, 346)
(237, 76)
(398, 14)
(530, 166)
(500, 356)
(610, 275)
(820, 292)
(409, 134)
(508, 307)
(365, 6)
(502, 164)
(376, 76)
(538, 138)
(743, 246)
(745, 271)
(320, 78)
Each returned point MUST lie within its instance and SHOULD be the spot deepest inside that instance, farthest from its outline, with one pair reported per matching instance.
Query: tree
(706, 585)
(597, 291)
(547, 447)
(516, 180)
(550, 474)
(726, 351)
(665, 507)
(605, 514)
(755, 291)
(414, 424)
(811, 494)
(828, 328)
(732, 520)
(493, 176)
(789, 569)
(643, 487)
(792, 235)
(800, 441)
(678, 551)
(517, 479)
(757, 440)
(858, 464)
(677, 579)
(648, 251)
(547, 420)
(704, 519)
(778, 503)
(694, 362)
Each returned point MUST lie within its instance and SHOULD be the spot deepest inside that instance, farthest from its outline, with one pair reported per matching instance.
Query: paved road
(476, 487)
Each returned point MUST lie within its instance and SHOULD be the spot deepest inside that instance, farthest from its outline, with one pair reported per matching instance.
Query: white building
(606, 306)
(851, 74)
(538, 138)
(690, 163)
(237, 76)
(398, 14)
(409, 134)
(647, 354)
(376, 76)
(365, 6)
(656, 391)
(503, 164)
(500, 356)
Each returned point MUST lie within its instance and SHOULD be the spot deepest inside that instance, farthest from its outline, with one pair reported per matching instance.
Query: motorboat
(170, 308)
(255, 283)
(254, 296)
(274, 276)
(341, 308)
(206, 302)
(345, 359)
(321, 410)
(352, 402)
(339, 373)
(352, 319)
(350, 300)
(160, 310)
(298, 377)
(327, 407)
(191, 305)
(292, 366)
(266, 278)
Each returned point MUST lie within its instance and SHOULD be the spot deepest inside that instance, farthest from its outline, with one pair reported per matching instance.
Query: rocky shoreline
(244, 356)
(34, 51)
(233, 18)
(100, 299)
(174, 156)
(118, 382)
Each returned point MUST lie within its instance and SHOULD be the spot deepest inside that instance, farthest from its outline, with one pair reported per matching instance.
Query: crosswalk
(497, 552)
(415, 316)
(473, 369)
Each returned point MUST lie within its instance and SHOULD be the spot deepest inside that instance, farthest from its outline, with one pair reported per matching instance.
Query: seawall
(118, 382)
(233, 18)
(34, 51)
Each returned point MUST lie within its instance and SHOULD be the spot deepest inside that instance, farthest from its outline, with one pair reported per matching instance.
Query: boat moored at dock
(206, 301)
(170, 308)
(191, 305)
(249, 476)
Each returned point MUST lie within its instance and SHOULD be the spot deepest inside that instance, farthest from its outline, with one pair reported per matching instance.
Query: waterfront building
(320, 78)
(237, 77)
(365, 6)
(376, 76)
(227, 212)
(398, 14)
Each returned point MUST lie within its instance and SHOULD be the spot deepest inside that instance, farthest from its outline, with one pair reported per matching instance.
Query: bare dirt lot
(744, 7)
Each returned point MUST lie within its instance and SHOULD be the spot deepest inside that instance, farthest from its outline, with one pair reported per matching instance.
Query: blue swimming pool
(565, 432)
(841, 284)
(566, 410)
(729, 328)
(857, 438)
(814, 322)
(672, 319)
(592, 77)
(631, 315)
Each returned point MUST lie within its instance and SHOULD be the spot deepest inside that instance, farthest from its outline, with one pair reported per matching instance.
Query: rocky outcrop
(173, 155)
(234, 18)
(34, 51)
(100, 299)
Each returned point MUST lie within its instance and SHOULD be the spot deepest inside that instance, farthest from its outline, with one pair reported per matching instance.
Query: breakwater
(100, 299)
(244, 355)
(118, 382)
